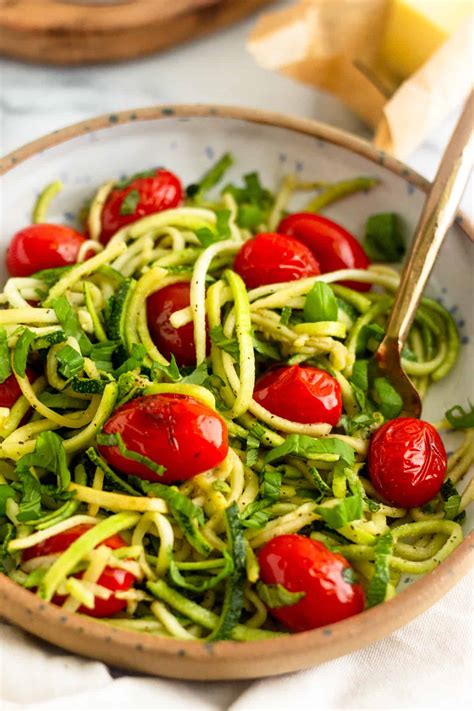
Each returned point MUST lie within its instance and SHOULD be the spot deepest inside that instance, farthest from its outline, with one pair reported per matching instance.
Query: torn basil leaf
(384, 240)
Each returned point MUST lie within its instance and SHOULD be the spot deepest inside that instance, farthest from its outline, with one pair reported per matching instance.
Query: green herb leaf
(253, 444)
(135, 360)
(115, 440)
(275, 596)
(171, 371)
(186, 514)
(253, 200)
(311, 448)
(338, 515)
(6, 492)
(387, 397)
(378, 585)
(197, 377)
(7, 561)
(69, 321)
(129, 203)
(229, 345)
(460, 418)
(369, 338)
(271, 485)
(234, 591)
(254, 515)
(362, 422)
(320, 304)
(250, 217)
(200, 584)
(110, 475)
(30, 488)
(452, 500)
(265, 348)
(70, 362)
(360, 375)
(22, 349)
(383, 239)
(51, 276)
(210, 177)
(102, 354)
(5, 368)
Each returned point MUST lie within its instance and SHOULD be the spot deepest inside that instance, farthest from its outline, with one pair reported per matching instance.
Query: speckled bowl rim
(228, 660)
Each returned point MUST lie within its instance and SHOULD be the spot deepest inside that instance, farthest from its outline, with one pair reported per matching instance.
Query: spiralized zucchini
(193, 548)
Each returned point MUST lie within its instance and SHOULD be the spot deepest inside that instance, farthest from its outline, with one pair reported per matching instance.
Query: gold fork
(437, 216)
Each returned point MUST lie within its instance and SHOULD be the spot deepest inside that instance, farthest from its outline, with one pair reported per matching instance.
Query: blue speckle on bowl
(410, 188)
(209, 151)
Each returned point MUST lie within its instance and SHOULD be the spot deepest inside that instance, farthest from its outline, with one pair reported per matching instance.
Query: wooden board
(71, 32)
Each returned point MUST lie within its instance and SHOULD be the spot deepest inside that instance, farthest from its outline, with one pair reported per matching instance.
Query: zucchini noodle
(192, 549)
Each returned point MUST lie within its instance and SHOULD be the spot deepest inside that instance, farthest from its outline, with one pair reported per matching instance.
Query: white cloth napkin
(428, 664)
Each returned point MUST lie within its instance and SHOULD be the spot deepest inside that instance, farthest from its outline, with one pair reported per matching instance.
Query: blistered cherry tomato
(115, 579)
(171, 341)
(407, 462)
(10, 390)
(300, 393)
(177, 431)
(155, 193)
(272, 258)
(303, 565)
(333, 246)
(42, 246)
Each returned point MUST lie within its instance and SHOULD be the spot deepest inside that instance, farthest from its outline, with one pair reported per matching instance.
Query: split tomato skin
(114, 579)
(271, 258)
(407, 462)
(332, 245)
(176, 431)
(300, 564)
(162, 191)
(169, 340)
(300, 393)
(43, 246)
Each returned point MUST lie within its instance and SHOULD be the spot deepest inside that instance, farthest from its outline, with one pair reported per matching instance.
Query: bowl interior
(189, 145)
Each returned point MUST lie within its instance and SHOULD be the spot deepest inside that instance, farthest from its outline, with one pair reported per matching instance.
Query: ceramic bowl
(187, 139)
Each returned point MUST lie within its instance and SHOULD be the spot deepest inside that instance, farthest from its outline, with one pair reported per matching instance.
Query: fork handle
(438, 214)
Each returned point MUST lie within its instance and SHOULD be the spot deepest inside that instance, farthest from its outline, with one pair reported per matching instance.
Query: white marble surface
(38, 99)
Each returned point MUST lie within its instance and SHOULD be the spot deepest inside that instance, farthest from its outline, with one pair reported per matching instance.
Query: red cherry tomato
(156, 193)
(300, 393)
(333, 246)
(271, 258)
(177, 431)
(303, 565)
(10, 390)
(42, 247)
(171, 341)
(114, 579)
(407, 462)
